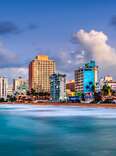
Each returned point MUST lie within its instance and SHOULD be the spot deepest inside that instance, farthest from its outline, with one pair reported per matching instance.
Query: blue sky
(31, 27)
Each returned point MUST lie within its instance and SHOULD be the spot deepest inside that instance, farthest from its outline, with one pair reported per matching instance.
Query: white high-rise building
(3, 87)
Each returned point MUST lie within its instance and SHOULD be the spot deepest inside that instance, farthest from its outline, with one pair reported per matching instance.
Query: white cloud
(90, 45)
(14, 72)
(96, 47)
(9, 64)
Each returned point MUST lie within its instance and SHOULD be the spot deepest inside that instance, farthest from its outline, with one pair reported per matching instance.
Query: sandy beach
(66, 104)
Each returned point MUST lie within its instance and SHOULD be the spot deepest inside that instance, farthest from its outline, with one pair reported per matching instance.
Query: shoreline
(92, 105)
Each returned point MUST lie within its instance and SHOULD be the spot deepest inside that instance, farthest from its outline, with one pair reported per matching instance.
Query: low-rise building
(108, 80)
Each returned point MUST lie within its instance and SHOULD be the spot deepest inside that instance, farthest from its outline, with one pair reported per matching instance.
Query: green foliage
(11, 98)
(106, 90)
(78, 94)
(2, 100)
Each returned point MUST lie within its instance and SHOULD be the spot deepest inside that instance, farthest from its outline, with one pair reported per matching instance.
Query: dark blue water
(57, 131)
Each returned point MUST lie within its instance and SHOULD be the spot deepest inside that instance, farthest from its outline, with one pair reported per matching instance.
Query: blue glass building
(86, 78)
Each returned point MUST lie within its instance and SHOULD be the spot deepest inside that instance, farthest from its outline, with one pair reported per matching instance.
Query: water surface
(57, 131)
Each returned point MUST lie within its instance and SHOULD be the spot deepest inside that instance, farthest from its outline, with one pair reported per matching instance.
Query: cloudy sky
(70, 31)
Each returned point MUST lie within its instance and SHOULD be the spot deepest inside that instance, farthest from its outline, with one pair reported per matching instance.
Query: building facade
(70, 88)
(20, 85)
(108, 80)
(86, 78)
(58, 87)
(10, 90)
(40, 70)
(3, 87)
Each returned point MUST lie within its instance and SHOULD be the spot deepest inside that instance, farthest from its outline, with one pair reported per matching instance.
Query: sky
(71, 32)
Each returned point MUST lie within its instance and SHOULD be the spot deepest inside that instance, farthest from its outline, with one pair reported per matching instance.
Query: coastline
(92, 105)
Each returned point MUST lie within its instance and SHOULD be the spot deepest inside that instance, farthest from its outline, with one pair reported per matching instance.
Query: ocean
(27, 130)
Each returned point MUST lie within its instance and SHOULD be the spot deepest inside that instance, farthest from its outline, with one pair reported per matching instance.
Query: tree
(97, 97)
(106, 90)
(33, 92)
(83, 97)
(78, 94)
(28, 92)
(11, 98)
(2, 100)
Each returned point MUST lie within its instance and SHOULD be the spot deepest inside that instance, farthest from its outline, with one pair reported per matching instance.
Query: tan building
(40, 70)
(108, 78)
(70, 88)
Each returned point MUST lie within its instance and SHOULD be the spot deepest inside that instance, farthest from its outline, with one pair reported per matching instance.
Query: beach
(93, 105)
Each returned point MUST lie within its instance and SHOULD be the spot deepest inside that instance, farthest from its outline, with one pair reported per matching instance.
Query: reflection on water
(57, 131)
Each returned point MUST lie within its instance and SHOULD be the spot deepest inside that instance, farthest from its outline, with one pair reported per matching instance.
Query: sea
(27, 130)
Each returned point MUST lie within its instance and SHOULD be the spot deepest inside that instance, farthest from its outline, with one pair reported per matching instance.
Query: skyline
(57, 29)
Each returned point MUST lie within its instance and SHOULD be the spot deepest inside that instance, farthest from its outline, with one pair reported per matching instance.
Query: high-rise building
(3, 87)
(86, 78)
(58, 87)
(20, 85)
(40, 70)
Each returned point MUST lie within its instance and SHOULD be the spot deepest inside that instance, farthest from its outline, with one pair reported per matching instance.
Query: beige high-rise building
(40, 70)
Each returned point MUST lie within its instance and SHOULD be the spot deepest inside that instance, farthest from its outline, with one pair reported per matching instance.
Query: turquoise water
(57, 131)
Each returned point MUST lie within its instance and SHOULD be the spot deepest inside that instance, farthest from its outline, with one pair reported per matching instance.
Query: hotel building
(58, 87)
(86, 78)
(40, 70)
(3, 87)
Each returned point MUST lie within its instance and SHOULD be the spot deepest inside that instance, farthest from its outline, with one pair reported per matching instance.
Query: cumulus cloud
(90, 45)
(96, 47)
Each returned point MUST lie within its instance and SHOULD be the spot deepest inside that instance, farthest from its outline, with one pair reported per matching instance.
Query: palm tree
(33, 92)
(28, 92)
(106, 90)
